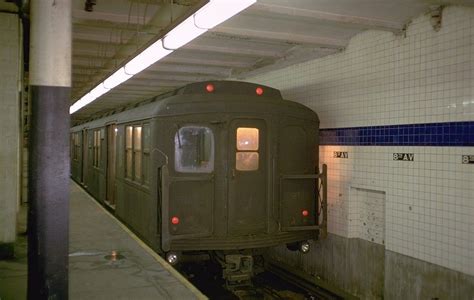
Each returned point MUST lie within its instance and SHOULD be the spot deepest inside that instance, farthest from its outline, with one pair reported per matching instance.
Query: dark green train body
(212, 166)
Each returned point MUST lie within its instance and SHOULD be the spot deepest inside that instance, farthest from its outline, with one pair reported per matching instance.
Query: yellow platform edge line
(150, 251)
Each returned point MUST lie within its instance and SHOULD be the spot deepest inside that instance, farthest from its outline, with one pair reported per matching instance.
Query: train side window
(194, 150)
(146, 151)
(77, 146)
(96, 149)
(128, 151)
(137, 152)
(247, 156)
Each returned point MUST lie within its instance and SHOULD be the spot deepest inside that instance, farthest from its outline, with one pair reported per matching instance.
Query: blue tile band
(429, 134)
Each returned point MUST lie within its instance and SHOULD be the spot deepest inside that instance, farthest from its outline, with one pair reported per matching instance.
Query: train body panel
(205, 171)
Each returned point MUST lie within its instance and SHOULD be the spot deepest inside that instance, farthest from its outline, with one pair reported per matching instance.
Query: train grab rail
(321, 192)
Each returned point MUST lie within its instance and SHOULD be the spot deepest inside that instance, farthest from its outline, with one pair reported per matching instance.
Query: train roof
(206, 97)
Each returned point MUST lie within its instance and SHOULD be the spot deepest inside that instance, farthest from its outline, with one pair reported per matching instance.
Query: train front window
(247, 141)
(194, 150)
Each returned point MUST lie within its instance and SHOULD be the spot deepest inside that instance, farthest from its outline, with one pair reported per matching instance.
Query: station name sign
(404, 156)
(468, 159)
(341, 154)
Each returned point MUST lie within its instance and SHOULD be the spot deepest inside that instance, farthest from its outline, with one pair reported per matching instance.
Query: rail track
(278, 281)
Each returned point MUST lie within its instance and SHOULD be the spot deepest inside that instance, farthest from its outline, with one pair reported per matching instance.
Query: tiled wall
(424, 78)
(367, 214)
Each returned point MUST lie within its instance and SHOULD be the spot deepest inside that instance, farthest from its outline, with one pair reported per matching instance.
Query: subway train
(219, 167)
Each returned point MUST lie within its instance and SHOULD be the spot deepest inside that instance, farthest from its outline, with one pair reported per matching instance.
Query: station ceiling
(269, 35)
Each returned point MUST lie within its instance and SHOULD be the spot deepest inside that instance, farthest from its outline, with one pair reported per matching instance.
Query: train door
(84, 156)
(188, 187)
(111, 157)
(247, 192)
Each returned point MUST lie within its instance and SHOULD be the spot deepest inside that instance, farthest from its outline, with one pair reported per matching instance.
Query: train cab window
(194, 150)
(247, 156)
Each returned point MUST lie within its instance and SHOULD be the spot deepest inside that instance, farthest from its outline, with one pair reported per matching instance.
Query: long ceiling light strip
(207, 17)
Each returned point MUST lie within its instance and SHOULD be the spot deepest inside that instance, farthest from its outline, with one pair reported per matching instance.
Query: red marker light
(175, 220)
(210, 88)
(259, 91)
(305, 213)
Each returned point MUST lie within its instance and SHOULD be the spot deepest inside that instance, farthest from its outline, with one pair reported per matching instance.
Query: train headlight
(304, 247)
(172, 258)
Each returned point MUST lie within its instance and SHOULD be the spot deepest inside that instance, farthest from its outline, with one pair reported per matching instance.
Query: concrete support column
(10, 49)
(48, 215)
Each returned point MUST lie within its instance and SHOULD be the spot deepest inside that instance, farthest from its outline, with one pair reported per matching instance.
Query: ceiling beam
(160, 18)
(158, 76)
(224, 48)
(117, 26)
(210, 61)
(280, 36)
(154, 83)
(221, 71)
(367, 23)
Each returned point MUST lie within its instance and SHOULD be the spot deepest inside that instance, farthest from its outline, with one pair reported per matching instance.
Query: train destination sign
(468, 159)
(404, 156)
(341, 154)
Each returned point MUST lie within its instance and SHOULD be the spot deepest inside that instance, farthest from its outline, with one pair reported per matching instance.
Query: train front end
(242, 171)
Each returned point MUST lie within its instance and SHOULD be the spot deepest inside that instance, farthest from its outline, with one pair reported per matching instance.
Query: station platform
(106, 261)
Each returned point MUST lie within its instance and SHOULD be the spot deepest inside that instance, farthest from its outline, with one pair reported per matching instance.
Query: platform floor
(135, 273)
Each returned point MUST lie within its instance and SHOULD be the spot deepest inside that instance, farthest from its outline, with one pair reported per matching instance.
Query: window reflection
(246, 161)
(194, 150)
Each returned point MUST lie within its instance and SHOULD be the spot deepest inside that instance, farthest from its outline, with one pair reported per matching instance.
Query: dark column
(48, 215)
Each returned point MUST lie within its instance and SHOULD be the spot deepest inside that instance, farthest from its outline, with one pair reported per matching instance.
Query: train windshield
(194, 150)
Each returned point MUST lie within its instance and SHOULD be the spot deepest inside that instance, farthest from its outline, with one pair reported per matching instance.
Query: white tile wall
(383, 79)
(367, 214)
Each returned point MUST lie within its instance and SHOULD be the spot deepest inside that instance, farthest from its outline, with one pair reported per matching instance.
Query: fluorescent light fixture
(207, 17)
(117, 78)
(98, 91)
(88, 98)
(182, 34)
(218, 11)
(146, 58)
